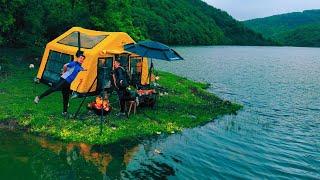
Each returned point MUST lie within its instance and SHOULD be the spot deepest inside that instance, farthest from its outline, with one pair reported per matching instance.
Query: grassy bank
(186, 104)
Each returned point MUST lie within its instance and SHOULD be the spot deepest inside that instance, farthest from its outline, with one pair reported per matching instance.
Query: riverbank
(185, 104)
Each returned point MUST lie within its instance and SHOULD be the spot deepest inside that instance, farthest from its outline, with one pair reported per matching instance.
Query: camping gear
(147, 97)
(153, 50)
(129, 106)
(100, 106)
(146, 91)
(100, 49)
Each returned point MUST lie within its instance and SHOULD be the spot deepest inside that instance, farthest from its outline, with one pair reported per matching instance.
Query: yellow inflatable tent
(100, 49)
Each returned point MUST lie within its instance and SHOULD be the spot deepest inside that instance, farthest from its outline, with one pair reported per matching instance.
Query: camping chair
(129, 106)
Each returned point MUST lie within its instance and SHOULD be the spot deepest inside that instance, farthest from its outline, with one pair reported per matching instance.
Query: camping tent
(100, 49)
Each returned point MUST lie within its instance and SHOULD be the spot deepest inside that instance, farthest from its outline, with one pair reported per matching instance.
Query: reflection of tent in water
(85, 160)
(100, 49)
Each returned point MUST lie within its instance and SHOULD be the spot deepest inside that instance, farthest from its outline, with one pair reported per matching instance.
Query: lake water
(275, 136)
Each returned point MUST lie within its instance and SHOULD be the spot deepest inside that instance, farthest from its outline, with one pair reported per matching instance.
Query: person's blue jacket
(73, 68)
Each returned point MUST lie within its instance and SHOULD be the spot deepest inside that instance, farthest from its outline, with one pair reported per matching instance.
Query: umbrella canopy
(153, 49)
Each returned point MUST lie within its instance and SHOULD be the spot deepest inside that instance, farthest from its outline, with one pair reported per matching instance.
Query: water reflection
(107, 161)
(50, 159)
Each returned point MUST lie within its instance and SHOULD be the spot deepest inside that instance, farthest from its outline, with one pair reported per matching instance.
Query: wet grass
(185, 104)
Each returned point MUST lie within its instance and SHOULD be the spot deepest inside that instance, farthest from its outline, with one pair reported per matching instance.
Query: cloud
(249, 9)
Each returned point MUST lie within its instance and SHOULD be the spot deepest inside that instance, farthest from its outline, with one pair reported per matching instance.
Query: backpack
(126, 80)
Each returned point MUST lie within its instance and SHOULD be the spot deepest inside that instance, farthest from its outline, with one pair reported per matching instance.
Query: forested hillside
(180, 22)
(307, 36)
(294, 29)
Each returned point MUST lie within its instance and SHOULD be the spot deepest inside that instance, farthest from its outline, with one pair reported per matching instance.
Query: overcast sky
(249, 9)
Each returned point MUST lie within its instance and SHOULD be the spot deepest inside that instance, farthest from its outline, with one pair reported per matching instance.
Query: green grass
(186, 105)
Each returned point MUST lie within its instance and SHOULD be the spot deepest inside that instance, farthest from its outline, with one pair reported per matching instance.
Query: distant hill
(180, 22)
(294, 29)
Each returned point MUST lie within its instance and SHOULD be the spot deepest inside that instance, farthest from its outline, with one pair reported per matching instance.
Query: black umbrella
(153, 50)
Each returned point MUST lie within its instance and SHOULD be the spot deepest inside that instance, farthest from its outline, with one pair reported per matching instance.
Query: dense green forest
(293, 29)
(307, 35)
(25, 23)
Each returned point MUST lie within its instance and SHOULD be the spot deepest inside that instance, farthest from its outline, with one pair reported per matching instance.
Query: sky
(250, 9)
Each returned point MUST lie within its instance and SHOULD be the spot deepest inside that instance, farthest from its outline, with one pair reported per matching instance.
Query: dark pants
(122, 99)
(62, 85)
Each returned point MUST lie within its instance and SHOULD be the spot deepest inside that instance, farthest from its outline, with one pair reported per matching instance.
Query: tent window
(136, 70)
(55, 62)
(104, 73)
(86, 41)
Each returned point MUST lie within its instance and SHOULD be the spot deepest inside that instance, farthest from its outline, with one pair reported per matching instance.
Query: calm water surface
(275, 136)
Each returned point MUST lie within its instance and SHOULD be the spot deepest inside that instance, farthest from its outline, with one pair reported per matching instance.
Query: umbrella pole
(102, 97)
(150, 70)
(101, 116)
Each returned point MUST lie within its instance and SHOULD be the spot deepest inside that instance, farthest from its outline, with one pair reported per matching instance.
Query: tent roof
(91, 41)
